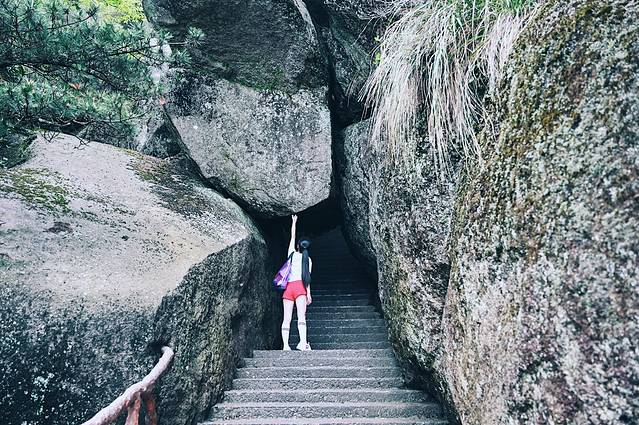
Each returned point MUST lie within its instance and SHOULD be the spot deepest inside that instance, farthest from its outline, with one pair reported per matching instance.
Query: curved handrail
(132, 398)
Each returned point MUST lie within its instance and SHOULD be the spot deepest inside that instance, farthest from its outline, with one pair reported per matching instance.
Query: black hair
(303, 244)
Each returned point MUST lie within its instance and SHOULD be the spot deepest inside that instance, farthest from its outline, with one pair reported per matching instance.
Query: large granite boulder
(269, 150)
(97, 245)
(264, 44)
(253, 112)
(399, 218)
(540, 322)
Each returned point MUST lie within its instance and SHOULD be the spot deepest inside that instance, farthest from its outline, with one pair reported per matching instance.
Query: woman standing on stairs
(298, 289)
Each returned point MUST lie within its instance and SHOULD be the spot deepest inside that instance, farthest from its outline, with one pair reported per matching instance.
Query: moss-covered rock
(97, 247)
(540, 322)
(401, 214)
(264, 44)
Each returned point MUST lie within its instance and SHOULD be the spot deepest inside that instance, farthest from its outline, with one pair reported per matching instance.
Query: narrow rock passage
(350, 377)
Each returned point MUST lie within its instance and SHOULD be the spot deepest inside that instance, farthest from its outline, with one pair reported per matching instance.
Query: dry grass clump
(436, 59)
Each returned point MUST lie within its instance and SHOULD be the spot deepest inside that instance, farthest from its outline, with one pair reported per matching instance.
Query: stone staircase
(350, 377)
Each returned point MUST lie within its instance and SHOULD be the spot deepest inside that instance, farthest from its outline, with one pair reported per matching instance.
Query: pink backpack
(281, 278)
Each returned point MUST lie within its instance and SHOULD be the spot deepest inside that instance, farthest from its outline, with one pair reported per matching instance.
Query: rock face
(541, 315)
(213, 319)
(96, 245)
(356, 165)
(156, 137)
(400, 217)
(265, 44)
(410, 213)
(255, 116)
(350, 43)
(271, 151)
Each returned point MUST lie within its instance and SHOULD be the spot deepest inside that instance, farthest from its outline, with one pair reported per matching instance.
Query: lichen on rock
(253, 112)
(94, 241)
(399, 220)
(269, 150)
(540, 323)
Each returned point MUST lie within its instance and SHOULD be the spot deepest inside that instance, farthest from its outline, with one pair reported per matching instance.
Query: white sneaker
(300, 347)
(287, 348)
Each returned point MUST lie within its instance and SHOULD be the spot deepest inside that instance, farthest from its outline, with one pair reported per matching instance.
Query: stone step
(339, 308)
(342, 275)
(328, 421)
(317, 372)
(349, 345)
(362, 354)
(318, 315)
(346, 276)
(339, 271)
(338, 338)
(315, 383)
(336, 301)
(340, 289)
(331, 323)
(348, 279)
(333, 330)
(340, 298)
(343, 291)
(326, 395)
(321, 361)
(323, 409)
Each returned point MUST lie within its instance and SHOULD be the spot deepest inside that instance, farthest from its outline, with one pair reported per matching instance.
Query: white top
(296, 267)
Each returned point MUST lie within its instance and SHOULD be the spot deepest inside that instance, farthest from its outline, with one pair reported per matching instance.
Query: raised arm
(291, 245)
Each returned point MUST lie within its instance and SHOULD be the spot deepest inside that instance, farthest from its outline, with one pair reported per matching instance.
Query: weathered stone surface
(93, 240)
(541, 315)
(404, 214)
(269, 150)
(350, 43)
(410, 213)
(254, 113)
(156, 137)
(356, 164)
(264, 44)
(213, 319)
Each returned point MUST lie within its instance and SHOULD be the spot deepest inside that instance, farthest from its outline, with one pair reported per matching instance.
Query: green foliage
(118, 10)
(67, 67)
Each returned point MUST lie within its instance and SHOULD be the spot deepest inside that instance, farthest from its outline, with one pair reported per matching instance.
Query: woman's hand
(309, 299)
(291, 244)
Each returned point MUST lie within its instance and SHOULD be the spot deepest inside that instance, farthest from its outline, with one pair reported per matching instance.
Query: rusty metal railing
(134, 396)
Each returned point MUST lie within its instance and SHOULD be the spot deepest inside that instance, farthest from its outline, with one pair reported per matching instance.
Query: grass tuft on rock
(437, 59)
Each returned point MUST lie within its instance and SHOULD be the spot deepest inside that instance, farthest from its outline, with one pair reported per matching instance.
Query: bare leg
(286, 323)
(300, 303)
